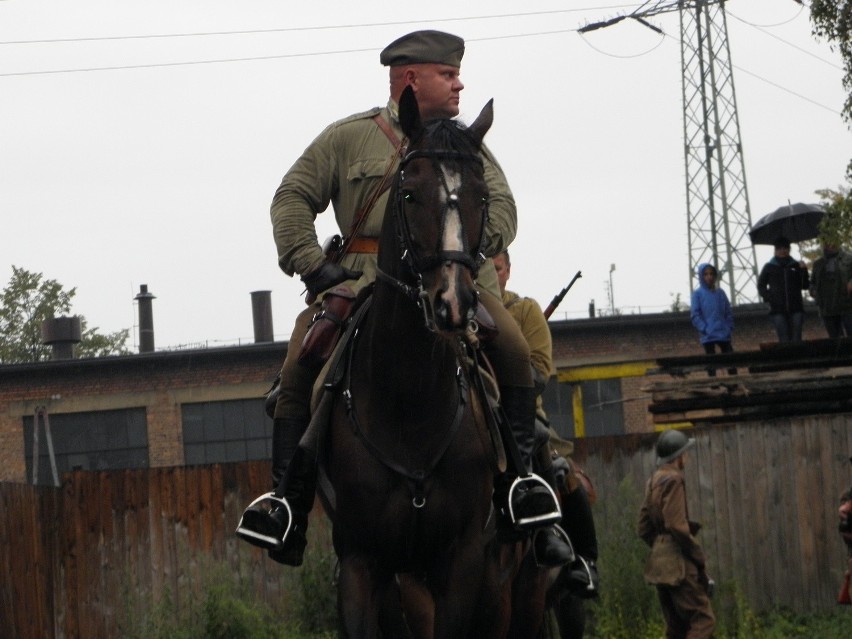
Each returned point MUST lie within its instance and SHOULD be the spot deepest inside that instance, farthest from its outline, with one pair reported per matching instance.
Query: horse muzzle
(456, 299)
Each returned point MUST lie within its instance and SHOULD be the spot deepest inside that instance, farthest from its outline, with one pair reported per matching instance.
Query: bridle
(470, 257)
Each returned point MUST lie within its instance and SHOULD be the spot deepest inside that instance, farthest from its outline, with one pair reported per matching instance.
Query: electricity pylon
(718, 213)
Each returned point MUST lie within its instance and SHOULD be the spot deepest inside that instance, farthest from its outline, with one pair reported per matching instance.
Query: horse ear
(483, 121)
(409, 113)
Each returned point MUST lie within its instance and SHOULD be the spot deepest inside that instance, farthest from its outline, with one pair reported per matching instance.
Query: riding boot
(287, 432)
(552, 545)
(519, 406)
(298, 488)
(261, 523)
(577, 520)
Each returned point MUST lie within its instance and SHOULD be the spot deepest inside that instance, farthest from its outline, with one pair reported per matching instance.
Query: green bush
(317, 600)
(627, 607)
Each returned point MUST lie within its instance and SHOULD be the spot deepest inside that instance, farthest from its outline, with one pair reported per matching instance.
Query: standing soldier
(579, 580)
(683, 586)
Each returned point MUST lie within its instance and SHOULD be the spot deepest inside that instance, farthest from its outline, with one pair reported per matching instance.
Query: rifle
(558, 298)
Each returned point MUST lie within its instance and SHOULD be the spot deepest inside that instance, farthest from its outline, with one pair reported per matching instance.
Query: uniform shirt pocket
(367, 169)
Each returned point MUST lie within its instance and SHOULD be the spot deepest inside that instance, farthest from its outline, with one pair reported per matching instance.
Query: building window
(98, 440)
(603, 409)
(231, 431)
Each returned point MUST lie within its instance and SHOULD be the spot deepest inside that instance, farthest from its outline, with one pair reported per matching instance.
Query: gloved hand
(560, 469)
(328, 275)
(708, 584)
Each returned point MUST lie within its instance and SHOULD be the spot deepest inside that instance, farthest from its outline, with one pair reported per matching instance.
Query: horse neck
(398, 330)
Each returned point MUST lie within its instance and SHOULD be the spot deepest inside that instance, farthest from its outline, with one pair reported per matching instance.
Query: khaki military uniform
(342, 167)
(686, 607)
(529, 316)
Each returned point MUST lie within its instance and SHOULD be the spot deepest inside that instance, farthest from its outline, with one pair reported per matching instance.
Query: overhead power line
(301, 29)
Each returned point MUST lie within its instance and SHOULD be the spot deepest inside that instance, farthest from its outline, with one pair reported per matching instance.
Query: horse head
(436, 216)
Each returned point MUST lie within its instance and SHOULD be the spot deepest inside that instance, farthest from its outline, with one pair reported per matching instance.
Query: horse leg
(360, 595)
(418, 606)
(529, 589)
(455, 614)
(570, 615)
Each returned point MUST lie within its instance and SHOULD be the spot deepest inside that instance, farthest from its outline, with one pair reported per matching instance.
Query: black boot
(287, 432)
(298, 489)
(531, 501)
(581, 577)
(553, 546)
(265, 521)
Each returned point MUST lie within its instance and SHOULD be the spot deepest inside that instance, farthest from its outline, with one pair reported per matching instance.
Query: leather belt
(363, 245)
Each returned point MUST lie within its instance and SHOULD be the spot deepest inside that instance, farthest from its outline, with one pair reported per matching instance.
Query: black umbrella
(797, 222)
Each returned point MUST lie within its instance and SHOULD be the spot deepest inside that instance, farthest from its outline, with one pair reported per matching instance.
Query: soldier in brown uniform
(342, 167)
(685, 601)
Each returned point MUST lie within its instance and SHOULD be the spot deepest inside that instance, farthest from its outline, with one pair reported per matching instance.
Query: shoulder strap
(387, 130)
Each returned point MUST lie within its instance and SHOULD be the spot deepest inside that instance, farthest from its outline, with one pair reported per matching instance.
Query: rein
(417, 476)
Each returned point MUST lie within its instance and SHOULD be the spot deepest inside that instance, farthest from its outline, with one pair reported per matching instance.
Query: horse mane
(449, 135)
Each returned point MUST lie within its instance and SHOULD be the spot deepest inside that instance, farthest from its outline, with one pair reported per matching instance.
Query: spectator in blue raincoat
(711, 314)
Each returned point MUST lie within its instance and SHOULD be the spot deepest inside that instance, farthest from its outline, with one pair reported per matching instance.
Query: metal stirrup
(545, 519)
(272, 542)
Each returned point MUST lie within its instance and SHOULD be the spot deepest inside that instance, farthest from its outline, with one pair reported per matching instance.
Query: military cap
(420, 47)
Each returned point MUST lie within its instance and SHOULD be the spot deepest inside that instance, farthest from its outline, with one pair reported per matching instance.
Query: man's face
(709, 276)
(782, 251)
(437, 88)
(502, 270)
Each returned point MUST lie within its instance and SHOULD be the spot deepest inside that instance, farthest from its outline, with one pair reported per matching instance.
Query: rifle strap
(381, 187)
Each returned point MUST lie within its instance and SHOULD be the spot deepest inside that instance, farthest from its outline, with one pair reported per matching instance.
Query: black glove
(326, 276)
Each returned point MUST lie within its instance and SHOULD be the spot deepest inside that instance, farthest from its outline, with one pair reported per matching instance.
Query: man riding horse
(344, 166)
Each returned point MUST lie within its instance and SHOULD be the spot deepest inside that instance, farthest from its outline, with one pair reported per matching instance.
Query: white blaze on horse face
(452, 241)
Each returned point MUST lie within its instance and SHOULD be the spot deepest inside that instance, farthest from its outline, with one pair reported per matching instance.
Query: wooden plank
(826, 519)
(217, 512)
(155, 533)
(806, 549)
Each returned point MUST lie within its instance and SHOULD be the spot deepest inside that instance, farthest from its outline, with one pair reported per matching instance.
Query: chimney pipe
(261, 311)
(146, 320)
(61, 333)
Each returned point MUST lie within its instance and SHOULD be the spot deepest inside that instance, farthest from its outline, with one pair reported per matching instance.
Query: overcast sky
(141, 142)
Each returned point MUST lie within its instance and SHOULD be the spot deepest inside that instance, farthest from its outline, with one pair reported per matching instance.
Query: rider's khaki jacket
(341, 167)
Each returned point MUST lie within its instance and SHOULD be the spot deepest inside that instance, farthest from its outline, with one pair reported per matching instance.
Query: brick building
(172, 408)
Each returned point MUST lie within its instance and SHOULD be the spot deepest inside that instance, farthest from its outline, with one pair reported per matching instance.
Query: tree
(832, 20)
(26, 302)
(836, 226)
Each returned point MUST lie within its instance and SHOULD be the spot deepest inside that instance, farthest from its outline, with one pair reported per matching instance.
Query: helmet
(671, 445)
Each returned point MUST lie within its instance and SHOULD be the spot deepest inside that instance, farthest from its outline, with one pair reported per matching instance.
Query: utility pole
(717, 207)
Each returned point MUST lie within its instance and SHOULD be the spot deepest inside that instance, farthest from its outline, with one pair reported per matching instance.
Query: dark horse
(412, 475)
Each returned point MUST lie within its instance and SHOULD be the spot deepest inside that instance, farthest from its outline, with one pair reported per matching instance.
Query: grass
(225, 606)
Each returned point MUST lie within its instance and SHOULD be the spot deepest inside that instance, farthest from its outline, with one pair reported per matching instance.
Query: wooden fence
(767, 494)
(79, 559)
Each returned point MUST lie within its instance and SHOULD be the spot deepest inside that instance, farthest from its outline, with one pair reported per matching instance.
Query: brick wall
(159, 382)
(162, 381)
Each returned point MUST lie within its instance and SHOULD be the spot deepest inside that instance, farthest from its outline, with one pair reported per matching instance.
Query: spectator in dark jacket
(831, 287)
(780, 285)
